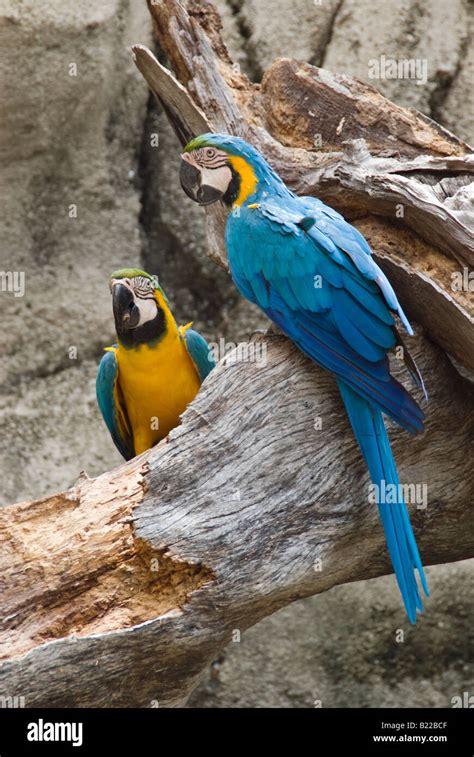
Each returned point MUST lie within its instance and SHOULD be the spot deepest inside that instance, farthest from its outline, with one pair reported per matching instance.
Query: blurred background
(87, 188)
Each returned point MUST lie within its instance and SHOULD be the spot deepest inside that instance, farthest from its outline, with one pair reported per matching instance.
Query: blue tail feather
(369, 429)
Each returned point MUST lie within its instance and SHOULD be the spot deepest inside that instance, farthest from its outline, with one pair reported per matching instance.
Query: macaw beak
(190, 178)
(126, 312)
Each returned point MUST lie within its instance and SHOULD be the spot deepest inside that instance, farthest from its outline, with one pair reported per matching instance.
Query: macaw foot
(273, 330)
(258, 332)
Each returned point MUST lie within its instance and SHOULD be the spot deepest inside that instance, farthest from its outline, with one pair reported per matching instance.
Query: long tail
(369, 430)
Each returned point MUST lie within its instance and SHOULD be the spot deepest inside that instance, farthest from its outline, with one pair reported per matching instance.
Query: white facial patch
(219, 178)
(148, 309)
(213, 165)
(142, 289)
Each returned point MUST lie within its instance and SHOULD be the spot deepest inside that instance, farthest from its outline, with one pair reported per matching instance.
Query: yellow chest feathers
(157, 383)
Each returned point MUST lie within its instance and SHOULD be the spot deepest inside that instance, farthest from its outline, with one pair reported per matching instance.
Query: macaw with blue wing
(145, 382)
(313, 274)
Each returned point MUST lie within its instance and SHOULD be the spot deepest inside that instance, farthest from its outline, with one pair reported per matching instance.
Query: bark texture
(122, 590)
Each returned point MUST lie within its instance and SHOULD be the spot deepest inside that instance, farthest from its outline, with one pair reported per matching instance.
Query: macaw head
(220, 167)
(140, 307)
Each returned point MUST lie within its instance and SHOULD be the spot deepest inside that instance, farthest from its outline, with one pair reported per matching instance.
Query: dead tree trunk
(406, 182)
(121, 591)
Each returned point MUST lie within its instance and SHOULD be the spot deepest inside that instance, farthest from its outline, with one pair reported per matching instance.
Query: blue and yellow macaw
(146, 381)
(313, 274)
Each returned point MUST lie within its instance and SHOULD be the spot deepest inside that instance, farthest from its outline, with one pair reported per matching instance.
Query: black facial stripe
(149, 333)
(142, 283)
(233, 189)
(218, 162)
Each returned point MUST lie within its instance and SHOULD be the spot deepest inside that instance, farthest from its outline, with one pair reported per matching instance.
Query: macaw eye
(210, 152)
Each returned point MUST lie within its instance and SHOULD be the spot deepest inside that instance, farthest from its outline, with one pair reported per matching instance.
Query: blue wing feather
(199, 352)
(111, 405)
(373, 328)
(346, 322)
(372, 380)
(370, 300)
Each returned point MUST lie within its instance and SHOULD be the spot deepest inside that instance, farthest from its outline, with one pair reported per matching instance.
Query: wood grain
(259, 498)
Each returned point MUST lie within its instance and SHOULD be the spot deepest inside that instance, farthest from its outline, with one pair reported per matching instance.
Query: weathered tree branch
(122, 590)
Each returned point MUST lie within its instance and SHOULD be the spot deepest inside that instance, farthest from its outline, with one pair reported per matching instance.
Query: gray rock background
(84, 192)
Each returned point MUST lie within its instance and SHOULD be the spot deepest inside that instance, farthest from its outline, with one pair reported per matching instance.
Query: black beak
(126, 313)
(190, 178)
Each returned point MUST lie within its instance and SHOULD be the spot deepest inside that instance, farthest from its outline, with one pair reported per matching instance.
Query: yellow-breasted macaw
(146, 381)
(314, 275)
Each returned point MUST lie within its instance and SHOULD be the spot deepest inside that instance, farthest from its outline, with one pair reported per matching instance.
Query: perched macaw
(313, 274)
(146, 381)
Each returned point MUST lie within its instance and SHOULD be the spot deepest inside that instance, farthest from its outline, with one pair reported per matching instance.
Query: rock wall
(70, 146)
(84, 192)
